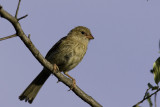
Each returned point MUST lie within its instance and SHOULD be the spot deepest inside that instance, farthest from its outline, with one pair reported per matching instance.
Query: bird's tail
(31, 91)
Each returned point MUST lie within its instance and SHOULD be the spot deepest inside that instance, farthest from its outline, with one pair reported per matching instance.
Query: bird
(65, 55)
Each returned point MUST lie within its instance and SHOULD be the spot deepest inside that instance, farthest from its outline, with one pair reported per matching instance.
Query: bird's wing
(55, 47)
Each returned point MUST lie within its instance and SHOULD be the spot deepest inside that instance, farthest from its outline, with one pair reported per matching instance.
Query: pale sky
(116, 68)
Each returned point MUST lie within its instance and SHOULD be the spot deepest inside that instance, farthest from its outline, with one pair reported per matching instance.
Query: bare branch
(22, 17)
(88, 99)
(11, 36)
(17, 9)
(146, 98)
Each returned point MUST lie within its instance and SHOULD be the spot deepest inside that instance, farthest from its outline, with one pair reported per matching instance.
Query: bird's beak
(90, 37)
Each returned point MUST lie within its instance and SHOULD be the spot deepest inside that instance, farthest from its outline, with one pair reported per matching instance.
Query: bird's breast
(73, 57)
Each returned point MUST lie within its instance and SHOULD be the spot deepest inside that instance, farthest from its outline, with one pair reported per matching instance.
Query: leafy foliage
(156, 71)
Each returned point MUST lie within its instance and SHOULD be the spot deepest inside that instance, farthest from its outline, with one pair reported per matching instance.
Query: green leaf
(155, 88)
(150, 85)
(156, 71)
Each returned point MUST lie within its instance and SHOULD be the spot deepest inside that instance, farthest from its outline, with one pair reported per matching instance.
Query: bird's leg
(56, 69)
(73, 81)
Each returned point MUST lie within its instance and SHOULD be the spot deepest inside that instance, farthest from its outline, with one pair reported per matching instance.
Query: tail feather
(31, 91)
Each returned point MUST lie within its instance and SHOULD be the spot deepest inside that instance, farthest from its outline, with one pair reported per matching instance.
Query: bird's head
(82, 32)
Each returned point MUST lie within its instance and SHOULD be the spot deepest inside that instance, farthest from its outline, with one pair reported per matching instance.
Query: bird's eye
(82, 32)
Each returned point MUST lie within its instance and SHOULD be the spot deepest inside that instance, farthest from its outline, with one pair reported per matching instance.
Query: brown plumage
(65, 54)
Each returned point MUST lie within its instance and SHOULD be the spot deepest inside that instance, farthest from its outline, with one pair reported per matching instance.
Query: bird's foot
(55, 68)
(73, 85)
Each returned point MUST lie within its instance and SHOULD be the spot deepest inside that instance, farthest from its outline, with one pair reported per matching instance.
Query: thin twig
(17, 9)
(29, 36)
(146, 93)
(11, 36)
(146, 98)
(22, 17)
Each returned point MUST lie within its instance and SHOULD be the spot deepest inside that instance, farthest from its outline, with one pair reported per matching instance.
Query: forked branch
(146, 97)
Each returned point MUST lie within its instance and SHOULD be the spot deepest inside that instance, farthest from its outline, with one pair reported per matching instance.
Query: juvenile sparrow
(64, 55)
